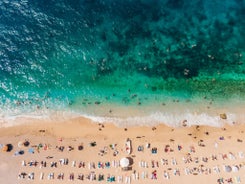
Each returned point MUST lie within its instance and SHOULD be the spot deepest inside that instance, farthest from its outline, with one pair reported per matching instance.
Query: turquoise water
(117, 59)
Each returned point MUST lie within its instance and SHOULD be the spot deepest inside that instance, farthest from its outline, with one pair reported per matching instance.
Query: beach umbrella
(228, 168)
(235, 168)
(124, 162)
(5, 148)
(93, 144)
(80, 147)
(31, 150)
(21, 152)
(20, 144)
(26, 143)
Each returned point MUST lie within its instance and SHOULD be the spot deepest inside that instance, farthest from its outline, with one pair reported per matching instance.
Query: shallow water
(122, 59)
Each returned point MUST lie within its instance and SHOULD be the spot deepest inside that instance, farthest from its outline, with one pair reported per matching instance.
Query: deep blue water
(73, 54)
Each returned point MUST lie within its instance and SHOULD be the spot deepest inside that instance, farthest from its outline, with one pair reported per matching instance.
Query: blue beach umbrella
(31, 150)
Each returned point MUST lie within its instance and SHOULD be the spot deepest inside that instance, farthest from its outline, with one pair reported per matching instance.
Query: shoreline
(171, 114)
(82, 130)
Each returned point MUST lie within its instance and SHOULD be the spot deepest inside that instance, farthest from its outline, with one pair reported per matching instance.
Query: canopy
(124, 162)
(26, 143)
(5, 148)
(20, 144)
(235, 168)
(23, 143)
(228, 168)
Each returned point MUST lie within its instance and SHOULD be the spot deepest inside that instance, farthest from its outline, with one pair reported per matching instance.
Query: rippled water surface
(105, 57)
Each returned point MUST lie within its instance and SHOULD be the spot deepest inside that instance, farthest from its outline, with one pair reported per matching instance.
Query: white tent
(124, 162)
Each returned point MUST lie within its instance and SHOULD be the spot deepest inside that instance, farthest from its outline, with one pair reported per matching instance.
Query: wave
(172, 120)
(152, 119)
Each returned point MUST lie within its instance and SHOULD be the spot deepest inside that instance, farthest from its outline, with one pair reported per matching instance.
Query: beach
(197, 154)
(122, 91)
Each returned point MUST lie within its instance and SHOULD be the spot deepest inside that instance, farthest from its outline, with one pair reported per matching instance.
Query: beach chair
(23, 163)
(187, 171)
(174, 162)
(50, 176)
(73, 164)
(154, 175)
(31, 176)
(143, 175)
(80, 177)
(101, 177)
(41, 176)
(22, 175)
(237, 179)
(133, 176)
(119, 179)
(166, 175)
(241, 154)
(71, 177)
(231, 156)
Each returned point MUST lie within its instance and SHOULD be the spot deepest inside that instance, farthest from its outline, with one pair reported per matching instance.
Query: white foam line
(170, 119)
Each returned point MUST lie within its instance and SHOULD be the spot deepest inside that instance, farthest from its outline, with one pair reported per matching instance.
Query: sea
(128, 62)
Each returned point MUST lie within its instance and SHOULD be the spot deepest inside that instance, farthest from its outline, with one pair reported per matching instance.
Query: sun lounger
(101, 177)
(31, 176)
(22, 175)
(214, 157)
(176, 172)
(174, 162)
(231, 156)
(23, 163)
(128, 146)
(71, 177)
(237, 179)
(133, 176)
(154, 175)
(73, 164)
(127, 179)
(119, 179)
(50, 176)
(80, 177)
(220, 181)
(216, 169)
(60, 176)
(166, 175)
(187, 171)
(41, 176)
(147, 145)
(241, 154)
(143, 175)
(164, 161)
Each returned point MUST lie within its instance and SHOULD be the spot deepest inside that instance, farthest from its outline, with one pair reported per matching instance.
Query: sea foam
(172, 120)
(152, 119)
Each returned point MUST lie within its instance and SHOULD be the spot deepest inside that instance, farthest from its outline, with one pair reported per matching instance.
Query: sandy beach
(159, 154)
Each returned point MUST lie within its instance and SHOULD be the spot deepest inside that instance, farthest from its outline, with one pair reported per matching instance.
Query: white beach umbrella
(124, 162)
(20, 144)
(235, 168)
